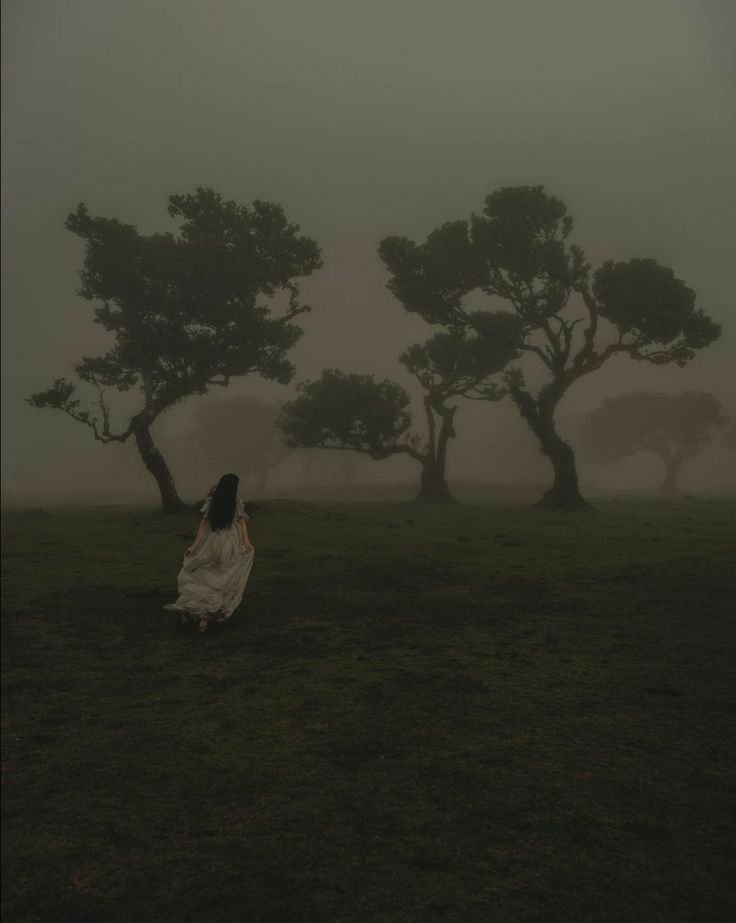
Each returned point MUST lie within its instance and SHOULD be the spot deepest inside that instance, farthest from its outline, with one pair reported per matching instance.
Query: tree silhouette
(452, 365)
(729, 439)
(321, 468)
(570, 323)
(187, 312)
(354, 412)
(240, 433)
(675, 427)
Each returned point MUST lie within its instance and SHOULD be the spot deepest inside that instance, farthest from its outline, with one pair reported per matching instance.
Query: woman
(217, 564)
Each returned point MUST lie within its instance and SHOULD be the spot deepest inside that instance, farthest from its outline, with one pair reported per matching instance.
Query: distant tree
(187, 312)
(240, 433)
(456, 365)
(729, 440)
(675, 427)
(350, 413)
(350, 464)
(320, 466)
(357, 413)
(324, 468)
(570, 323)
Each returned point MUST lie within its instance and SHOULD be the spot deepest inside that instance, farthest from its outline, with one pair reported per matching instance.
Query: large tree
(187, 312)
(675, 427)
(359, 414)
(571, 321)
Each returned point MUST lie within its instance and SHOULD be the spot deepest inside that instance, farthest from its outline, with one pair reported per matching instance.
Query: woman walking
(218, 563)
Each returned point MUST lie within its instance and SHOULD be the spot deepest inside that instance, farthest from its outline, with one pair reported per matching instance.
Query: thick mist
(362, 121)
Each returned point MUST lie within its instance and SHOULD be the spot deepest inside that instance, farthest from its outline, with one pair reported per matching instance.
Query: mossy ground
(472, 712)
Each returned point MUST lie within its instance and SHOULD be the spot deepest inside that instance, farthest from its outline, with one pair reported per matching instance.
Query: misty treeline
(190, 312)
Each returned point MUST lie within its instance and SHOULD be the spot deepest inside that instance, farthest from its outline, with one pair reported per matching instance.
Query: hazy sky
(362, 120)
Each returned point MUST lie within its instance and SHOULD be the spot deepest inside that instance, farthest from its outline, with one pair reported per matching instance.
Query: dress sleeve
(241, 514)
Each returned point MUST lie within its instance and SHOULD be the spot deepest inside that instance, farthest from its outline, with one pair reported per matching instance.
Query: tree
(675, 427)
(729, 439)
(350, 466)
(240, 433)
(187, 312)
(322, 467)
(570, 323)
(452, 365)
(356, 413)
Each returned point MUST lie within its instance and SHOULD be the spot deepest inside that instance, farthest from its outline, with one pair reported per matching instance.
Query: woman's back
(218, 563)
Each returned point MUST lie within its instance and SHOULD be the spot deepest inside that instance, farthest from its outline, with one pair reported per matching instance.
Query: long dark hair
(222, 502)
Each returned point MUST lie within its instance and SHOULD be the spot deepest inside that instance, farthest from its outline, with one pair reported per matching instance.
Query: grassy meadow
(479, 712)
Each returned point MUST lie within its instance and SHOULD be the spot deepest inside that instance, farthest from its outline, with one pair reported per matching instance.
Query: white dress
(212, 579)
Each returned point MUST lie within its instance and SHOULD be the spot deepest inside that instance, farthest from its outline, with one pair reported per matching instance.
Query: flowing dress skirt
(212, 579)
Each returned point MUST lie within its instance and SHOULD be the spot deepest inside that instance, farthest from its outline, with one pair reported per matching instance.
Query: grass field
(478, 712)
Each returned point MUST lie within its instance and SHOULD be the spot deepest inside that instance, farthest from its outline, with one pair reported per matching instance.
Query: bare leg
(203, 624)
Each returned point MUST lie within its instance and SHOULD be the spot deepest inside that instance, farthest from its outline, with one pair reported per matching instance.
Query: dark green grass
(463, 713)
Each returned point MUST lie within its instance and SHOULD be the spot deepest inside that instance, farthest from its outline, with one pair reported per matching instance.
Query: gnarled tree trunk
(669, 487)
(433, 485)
(154, 461)
(564, 492)
(540, 415)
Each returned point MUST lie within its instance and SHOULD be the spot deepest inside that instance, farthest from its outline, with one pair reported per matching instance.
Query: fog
(362, 120)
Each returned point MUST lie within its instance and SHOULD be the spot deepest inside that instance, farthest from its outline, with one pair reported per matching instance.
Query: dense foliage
(357, 413)
(571, 320)
(187, 312)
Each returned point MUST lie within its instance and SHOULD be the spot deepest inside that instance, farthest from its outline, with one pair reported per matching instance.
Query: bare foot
(203, 624)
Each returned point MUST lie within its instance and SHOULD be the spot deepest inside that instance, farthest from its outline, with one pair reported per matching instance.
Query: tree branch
(431, 427)
(530, 348)
(590, 332)
(60, 397)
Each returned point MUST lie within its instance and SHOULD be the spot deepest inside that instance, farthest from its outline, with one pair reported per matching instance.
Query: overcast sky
(362, 119)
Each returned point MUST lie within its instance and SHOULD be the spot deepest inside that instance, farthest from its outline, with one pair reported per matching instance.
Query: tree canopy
(570, 320)
(358, 413)
(354, 412)
(187, 312)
